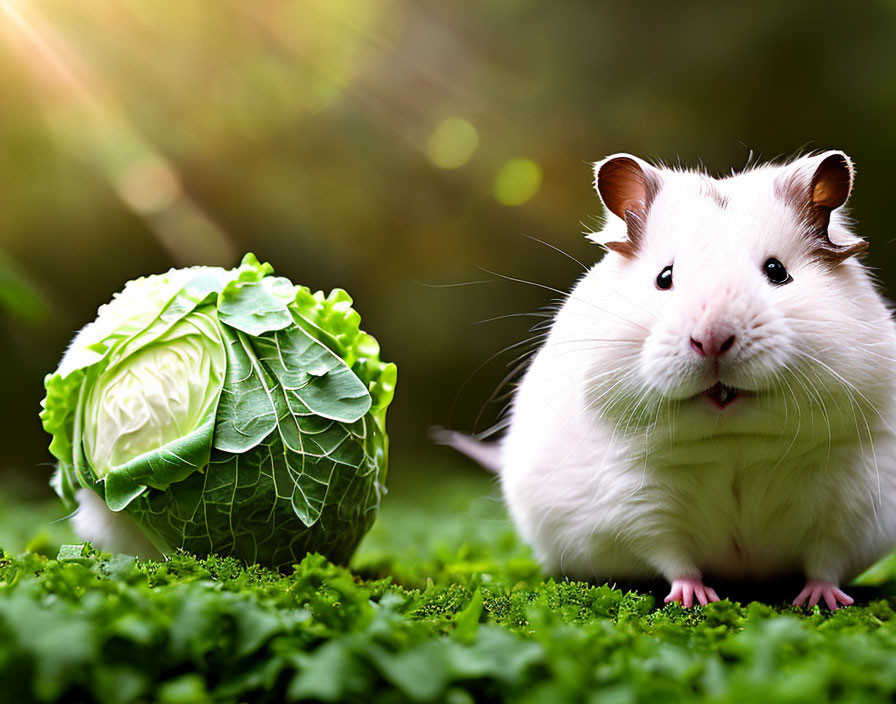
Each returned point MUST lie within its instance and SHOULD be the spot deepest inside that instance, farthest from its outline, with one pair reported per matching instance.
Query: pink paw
(684, 591)
(816, 590)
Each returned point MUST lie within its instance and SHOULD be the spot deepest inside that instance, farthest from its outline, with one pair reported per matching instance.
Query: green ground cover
(442, 603)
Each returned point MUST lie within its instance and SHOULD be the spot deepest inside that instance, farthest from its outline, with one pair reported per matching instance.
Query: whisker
(556, 249)
(459, 284)
(565, 295)
(513, 315)
(849, 388)
(478, 369)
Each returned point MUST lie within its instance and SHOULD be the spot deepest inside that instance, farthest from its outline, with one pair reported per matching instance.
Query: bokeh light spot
(517, 181)
(453, 143)
(148, 185)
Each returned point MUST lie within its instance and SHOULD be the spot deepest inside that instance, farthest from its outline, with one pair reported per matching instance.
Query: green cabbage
(226, 411)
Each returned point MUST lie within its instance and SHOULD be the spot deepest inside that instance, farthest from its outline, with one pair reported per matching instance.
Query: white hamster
(715, 396)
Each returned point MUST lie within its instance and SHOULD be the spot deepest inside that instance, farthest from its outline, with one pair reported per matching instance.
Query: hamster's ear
(832, 180)
(816, 186)
(627, 186)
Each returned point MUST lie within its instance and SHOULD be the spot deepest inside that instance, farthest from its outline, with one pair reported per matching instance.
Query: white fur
(615, 467)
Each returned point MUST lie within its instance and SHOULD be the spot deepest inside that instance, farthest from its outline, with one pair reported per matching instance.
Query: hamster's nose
(712, 345)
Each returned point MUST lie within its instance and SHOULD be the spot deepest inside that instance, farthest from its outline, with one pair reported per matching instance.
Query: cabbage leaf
(227, 411)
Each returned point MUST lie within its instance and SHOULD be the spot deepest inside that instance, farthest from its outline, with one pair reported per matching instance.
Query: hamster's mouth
(721, 395)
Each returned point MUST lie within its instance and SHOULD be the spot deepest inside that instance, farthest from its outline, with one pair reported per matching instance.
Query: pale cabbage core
(127, 313)
(158, 394)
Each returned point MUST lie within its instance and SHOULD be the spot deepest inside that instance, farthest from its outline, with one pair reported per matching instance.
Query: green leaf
(332, 320)
(270, 504)
(58, 414)
(250, 269)
(185, 689)
(246, 409)
(879, 573)
(466, 623)
(171, 463)
(314, 378)
(75, 552)
(309, 454)
(419, 674)
(253, 306)
(328, 674)
(63, 643)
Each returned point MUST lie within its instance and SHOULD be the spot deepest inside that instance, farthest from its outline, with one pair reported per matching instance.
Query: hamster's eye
(776, 273)
(664, 279)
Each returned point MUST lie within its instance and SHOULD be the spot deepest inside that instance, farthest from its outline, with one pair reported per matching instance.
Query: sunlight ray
(83, 116)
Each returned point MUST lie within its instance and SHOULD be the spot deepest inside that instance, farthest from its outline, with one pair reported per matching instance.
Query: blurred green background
(394, 148)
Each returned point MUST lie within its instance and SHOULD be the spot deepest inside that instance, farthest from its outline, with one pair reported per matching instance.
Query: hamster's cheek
(667, 365)
(768, 347)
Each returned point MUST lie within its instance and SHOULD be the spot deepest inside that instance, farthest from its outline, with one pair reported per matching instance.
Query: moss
(443, 603)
